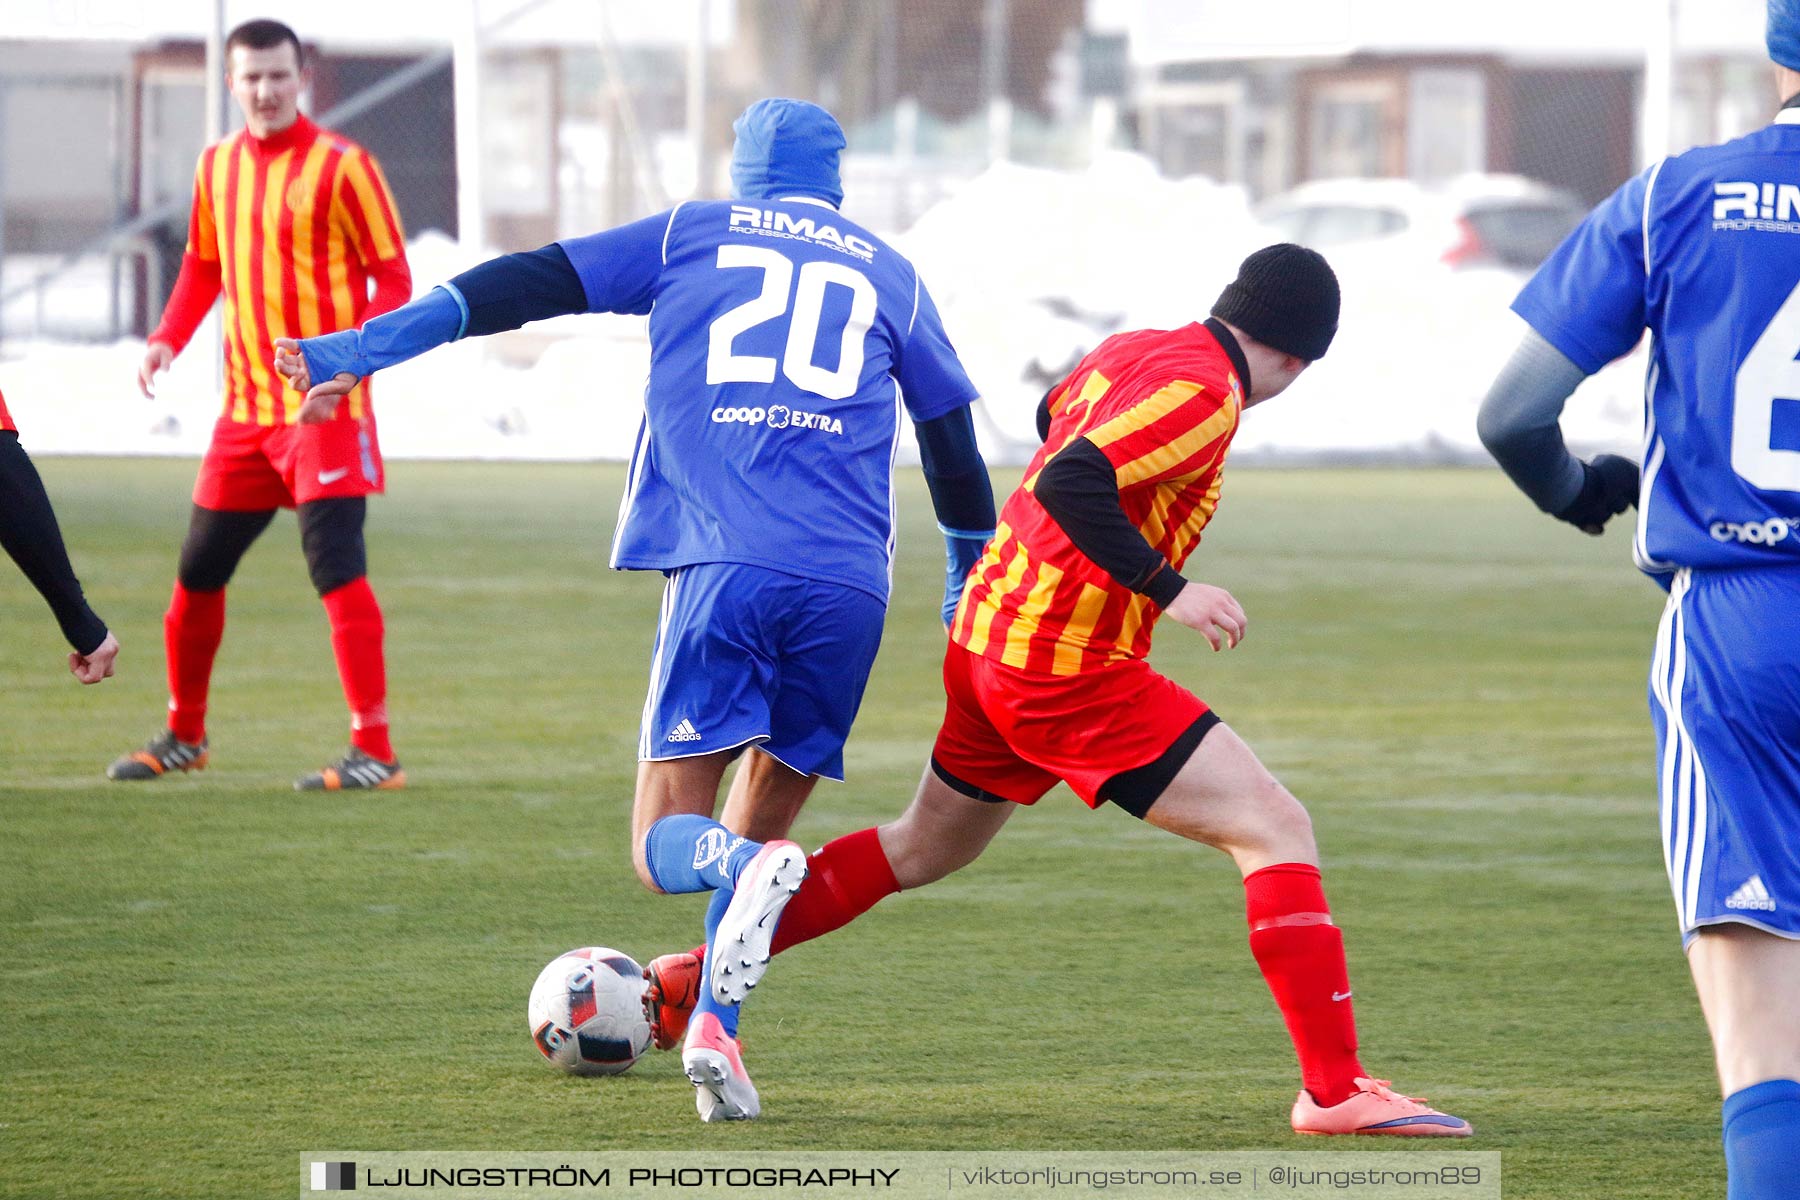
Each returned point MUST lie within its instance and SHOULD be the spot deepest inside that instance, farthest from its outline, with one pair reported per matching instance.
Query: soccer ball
(586, 1011)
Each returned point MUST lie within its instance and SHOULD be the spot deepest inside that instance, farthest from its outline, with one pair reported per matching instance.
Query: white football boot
(739, 952)
(722, 1088)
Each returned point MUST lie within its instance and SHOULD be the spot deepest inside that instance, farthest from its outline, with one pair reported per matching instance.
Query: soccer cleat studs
(740, 949)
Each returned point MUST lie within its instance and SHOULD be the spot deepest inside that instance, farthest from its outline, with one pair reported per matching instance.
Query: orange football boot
(1377, 1109)
(671, 989)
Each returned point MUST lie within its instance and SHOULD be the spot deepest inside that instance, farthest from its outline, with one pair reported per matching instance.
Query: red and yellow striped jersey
(296, 224)
(6, 421)
(1162, 406)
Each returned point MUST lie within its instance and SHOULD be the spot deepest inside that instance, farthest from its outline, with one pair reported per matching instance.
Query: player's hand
(1211, 610)
(92, 668)
(1609, 486)
(290, 364)
(962, 551)
(157, 358)
(322, 401)
(321, 398)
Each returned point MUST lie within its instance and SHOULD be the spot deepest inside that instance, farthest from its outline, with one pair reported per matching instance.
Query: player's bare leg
(941, 832)
(1223, 796)
(669, 787)
(766, 796)
(1227, 799)
(1749, 985)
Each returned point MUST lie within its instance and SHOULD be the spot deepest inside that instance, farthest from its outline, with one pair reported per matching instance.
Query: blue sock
(691, 853)
(1762, 1140)
(727, 1013)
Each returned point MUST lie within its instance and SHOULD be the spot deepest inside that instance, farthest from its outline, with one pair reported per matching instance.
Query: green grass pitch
(201, 978)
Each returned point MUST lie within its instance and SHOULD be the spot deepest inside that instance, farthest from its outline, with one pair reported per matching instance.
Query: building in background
(582, 123)
(1282, 92)
(593, 112)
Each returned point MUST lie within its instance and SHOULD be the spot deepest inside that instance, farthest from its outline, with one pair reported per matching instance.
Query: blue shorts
(1725, 698)
(749, 656)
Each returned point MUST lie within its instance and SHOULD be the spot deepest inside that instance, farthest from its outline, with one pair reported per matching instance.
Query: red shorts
(253, 467)
(1014, 734)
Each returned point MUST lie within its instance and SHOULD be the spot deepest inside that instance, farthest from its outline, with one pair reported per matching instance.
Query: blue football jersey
(1703, 250)
(786, 343)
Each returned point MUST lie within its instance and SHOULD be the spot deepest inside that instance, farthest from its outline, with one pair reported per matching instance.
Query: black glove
(1609, 486)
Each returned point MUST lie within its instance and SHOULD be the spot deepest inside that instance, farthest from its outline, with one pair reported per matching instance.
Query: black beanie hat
(1286, 297)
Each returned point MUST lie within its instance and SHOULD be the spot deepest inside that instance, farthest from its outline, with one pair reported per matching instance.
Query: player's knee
(640, 863)
(900, 843)
(918, 858)
(198, 574)
(331, 535)
(202, 567)
(647, 879)
(332, 565)
(1285, 824)
(216, 542)
(328, 577)
(1750, 1050)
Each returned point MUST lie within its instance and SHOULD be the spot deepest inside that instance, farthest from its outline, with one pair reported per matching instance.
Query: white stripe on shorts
(1665, 779)
(653, 691)
(1697, 843)
(1682, 783)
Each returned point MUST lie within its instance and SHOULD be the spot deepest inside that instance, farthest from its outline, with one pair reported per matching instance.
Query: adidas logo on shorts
(1752, 895)
(685, 732)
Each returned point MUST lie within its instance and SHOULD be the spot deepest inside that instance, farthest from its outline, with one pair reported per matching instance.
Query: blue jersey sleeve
(1587, 299)
(931, 377)
(619, 267)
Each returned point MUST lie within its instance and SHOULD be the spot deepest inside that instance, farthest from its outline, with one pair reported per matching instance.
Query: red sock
(844, 879)
(1301, 954)
(192, 630)
(356, 634)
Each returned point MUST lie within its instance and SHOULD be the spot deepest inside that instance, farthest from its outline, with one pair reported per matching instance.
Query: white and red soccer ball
(586, 1011)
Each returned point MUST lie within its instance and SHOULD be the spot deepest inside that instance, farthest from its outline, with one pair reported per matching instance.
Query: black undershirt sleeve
(29, 533)
(1080, 491)
(1043, 416)
(961, 495)
(516, 289)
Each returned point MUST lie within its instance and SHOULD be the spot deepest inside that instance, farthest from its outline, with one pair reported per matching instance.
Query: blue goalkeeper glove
(962, 550)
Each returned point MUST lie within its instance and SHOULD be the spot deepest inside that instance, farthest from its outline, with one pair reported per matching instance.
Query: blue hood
(1784, 33)
(786, 148)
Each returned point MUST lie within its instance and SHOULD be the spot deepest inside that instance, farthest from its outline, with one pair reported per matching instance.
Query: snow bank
(1030, 268)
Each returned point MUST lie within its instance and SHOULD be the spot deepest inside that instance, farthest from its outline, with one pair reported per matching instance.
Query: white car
(1475, 220)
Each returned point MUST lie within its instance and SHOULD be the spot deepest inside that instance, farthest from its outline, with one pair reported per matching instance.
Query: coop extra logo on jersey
(767, 222)
(1756, 533)
(778, 416)
(1766, 207)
